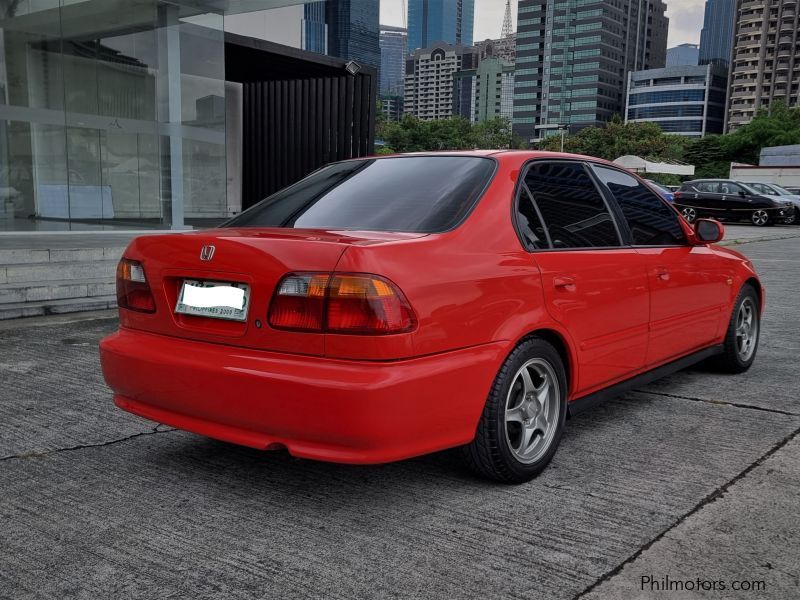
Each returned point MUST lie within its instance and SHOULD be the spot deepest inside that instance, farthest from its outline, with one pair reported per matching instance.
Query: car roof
(509, 154)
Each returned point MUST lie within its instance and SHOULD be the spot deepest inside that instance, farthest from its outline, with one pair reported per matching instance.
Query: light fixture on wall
(353, 68)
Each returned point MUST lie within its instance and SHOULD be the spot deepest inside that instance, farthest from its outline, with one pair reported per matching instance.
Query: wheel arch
(565, 351)
(753, 281)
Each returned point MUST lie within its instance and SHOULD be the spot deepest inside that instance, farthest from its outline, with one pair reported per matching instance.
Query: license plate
(214, 299)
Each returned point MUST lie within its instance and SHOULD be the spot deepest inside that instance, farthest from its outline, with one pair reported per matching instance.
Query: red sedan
(384, 308)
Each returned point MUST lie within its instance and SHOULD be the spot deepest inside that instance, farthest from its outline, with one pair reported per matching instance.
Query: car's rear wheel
(689, 214)
(741, 339)
(759, 217)
(524, 415)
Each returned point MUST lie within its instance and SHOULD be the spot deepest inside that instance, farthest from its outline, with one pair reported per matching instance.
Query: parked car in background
(668, 195)
(731, 201)
(384, 308)
(770, 189)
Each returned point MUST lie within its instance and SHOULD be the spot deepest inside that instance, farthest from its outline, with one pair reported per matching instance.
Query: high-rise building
(315, 29)
(431, 21)
(490, 91)
(716, 37)
(394, 47)
(573, 59)
(683, 55)
(354, 30)
(766, 58)
(684, 100)
(430, 90)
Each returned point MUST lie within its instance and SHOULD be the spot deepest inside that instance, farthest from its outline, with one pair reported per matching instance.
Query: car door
(593, 286)
(737, 202)
(689, 285)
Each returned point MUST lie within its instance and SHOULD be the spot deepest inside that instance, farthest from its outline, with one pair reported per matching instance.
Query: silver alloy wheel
(532, 410)
(746, 329)
(760, 217)
(689, 214)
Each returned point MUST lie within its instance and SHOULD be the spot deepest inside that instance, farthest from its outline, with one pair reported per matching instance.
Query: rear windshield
(416, 194)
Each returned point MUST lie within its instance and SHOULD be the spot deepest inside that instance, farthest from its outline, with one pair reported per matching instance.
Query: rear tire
(524, 416)
(759, 218)
(741, 339)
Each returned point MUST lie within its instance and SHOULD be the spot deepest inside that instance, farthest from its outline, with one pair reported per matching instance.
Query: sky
(686, 18)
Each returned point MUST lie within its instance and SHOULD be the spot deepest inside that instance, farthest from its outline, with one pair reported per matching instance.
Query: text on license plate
(215, 299)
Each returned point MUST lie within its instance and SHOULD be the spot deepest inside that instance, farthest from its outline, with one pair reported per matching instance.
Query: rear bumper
(325, 409)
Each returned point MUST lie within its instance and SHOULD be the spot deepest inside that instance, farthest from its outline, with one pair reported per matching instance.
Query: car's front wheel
(741, 339)
(524, 415)
(759, 217)
(689, 214)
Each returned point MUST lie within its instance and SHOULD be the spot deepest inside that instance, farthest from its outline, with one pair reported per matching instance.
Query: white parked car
(770, 189)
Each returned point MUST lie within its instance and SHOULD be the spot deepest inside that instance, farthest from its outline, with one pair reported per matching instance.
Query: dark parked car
(731, 201)
(770, 189)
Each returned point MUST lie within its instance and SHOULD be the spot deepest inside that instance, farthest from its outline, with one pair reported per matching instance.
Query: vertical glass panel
(33, 173)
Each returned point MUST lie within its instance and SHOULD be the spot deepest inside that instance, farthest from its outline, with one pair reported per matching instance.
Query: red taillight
(676, 195)
(340, 303)
(133, 291)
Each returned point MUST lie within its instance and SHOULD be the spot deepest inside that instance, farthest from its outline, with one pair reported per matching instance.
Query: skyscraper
(394, 45)
(430, 21)
(573, 59)
(683, 55)
(346, 29)
(716, 37)
(766, 59)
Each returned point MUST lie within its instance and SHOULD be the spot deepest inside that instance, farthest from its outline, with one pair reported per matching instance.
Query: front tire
(744, 329)
(524, 416)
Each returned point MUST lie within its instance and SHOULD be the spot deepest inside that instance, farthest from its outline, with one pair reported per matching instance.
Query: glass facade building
(685, 100)
(683, 54)
(111, 112)
(354, 30)
(394, 49)
(716, 37)
(431, 21)
(315, 31)
(573, 58)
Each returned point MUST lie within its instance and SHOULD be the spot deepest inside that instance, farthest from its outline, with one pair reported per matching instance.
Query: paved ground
(695, 476)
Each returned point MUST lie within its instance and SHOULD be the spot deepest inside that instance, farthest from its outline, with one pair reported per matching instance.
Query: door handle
(662, 273)
(564, 283)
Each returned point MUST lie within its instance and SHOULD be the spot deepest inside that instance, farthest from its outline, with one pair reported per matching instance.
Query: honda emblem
(207, 253)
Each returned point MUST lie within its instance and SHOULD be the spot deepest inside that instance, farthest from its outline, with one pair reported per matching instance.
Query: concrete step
(43, 273)
(62, 289)
(55, 307)
(28, 256)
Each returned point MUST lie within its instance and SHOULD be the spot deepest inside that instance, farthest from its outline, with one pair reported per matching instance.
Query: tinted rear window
(424, 194)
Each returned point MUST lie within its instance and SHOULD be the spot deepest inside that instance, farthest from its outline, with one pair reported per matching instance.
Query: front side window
(415, 194)
(651, 221)
(573, 212)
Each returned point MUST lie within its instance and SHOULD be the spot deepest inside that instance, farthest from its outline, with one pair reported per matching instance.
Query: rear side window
(651, 221)
(574, 213)
(419, 194)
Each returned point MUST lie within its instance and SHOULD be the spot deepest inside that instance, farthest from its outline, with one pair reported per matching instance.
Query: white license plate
(214, 299)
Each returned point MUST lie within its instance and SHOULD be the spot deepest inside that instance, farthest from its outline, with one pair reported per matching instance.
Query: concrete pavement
(693, 476)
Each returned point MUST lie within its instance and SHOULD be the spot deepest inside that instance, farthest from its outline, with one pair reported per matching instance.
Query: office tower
(684, 99)
(683, 55)
(354, 31)
(394, 45)
(716, 37)
(431, 21)
(430, 90)
(766, 58)
(573, 60)
(315, 30)
(486, 92)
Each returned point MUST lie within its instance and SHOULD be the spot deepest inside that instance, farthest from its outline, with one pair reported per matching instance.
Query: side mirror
(742, 193)
(709, 231)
